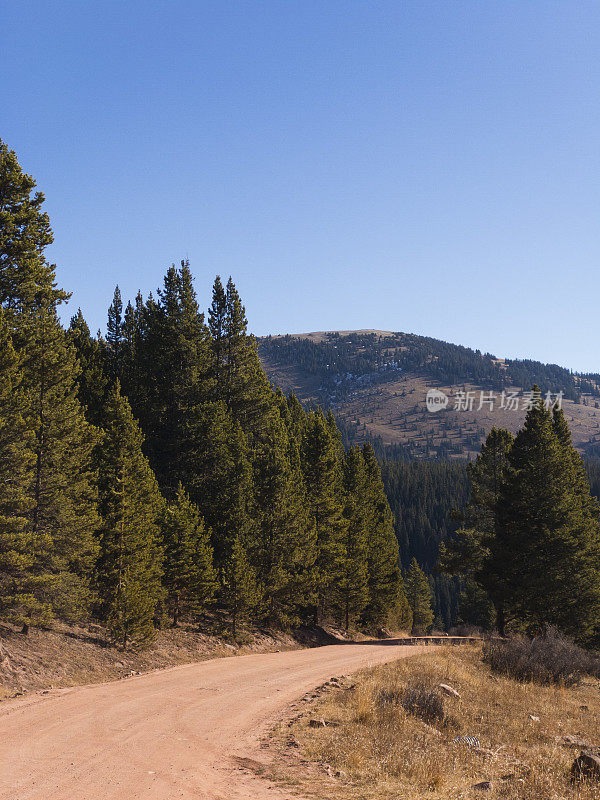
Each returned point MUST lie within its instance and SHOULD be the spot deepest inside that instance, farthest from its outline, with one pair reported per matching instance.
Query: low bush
(425, 702)
(547, 659)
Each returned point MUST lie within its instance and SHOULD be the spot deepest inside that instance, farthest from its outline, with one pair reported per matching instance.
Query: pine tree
(17, 604)
(546, 549)
(114, 334)
(62, 500)
(283, 549)
(93, 382)
(63, 510)
(418, 594)
(216, 323)
(385, 585)
(221, 481)
(240, 593)
(166, 343)
(26, 278)
(189, 576)
(352, 591)
(130, 562)
(322, 477)
(244, 387)
(467, 552)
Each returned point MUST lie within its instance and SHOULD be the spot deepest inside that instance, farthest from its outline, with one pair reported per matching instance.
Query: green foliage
(386, 591)
(284, 546)
(240, 591)
(546, 552)
(93, 383)
(130, 563)
(16, 463)
(323, 480)
(352, 587)
(468, 551)
(264, 509)
(59, 492)
(418, 594)
(189, 576)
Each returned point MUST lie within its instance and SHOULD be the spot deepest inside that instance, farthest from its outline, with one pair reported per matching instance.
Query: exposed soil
(192, 731)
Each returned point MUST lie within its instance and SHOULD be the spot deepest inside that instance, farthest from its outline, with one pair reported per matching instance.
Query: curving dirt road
(165, 735)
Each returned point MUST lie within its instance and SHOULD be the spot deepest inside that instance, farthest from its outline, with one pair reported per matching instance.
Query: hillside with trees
(153, 472)
(376, 382)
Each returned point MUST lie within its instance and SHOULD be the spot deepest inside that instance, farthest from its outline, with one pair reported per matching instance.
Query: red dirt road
(166, 735)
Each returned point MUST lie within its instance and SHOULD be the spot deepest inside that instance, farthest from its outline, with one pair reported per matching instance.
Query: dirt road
(165, 735)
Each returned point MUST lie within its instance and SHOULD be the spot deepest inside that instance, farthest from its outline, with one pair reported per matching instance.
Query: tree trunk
(500, 621)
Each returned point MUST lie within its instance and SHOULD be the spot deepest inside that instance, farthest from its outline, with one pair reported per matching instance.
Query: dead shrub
(388, 698)
(425, 702)
(547, 659)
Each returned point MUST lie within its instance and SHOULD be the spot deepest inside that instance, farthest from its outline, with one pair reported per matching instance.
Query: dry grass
(380, 750)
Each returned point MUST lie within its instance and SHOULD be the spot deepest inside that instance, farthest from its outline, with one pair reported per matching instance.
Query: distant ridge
(376, 382)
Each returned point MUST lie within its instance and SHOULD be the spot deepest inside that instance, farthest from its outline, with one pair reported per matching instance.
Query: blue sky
(430, 167)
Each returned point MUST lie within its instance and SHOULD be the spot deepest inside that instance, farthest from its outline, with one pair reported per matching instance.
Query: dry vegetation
(71, 655)
(393, 735)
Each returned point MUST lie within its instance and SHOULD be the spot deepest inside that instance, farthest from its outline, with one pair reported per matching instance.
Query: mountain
(376, 382)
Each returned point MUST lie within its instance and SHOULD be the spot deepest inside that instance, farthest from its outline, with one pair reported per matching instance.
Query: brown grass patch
(382, 750)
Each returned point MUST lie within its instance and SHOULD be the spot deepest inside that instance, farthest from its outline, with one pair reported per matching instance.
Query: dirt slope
(171, 734)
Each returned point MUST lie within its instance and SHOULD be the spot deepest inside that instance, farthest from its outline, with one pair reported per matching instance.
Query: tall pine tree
(130, 562)
(189, 577)
(546, 550)
(17, 603)
(324, 502)
(352, 590)
(386, 590)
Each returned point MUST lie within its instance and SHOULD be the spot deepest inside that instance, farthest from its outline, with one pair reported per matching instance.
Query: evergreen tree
(240, 592)
(322, 477)
(129, 566)
(352, 591)
(546, 549)
(383, 560)
(114, 334)
(63, 512)
(296, 417)
(221, 481)
(243, 385)
(216, 323)
(284, 548)
(418, 594)
(189, 577)
(17, 604)
(93, 382)
(26, 278)
(467, 552)
(62, 500)
(582, 484)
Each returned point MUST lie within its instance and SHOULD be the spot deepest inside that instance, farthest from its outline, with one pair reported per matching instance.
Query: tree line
(529, 544)
(151, 472)
(340, 359)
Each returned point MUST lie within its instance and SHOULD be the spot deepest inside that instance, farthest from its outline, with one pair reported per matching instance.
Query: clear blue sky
(431, 167)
